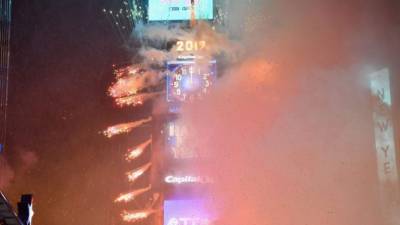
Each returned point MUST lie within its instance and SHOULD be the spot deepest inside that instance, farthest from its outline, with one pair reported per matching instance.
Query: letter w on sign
(383, 125)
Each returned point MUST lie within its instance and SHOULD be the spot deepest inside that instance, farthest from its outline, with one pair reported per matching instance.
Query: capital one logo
(187, 179)
(188, 221)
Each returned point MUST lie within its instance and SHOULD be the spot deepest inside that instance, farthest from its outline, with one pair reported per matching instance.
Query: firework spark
(134, 174)
(131, 80)
(127, 70)
(135, 152)
(124, 127)
(126, 85)
(135, 100)
(127, 197)
(133, 216)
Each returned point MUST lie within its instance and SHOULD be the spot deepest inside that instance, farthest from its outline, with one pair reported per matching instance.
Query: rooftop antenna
(192, 13)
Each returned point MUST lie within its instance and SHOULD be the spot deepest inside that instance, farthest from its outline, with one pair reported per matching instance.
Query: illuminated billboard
(176, 10)
(178, 145)
(383, 127)
(186, 212)
(188, 80)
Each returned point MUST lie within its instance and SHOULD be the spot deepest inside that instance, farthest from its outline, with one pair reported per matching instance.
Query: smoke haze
(290, 127)
(25, 160)
(6, 173)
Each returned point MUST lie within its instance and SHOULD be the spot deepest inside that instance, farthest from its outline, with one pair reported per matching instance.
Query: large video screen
(184, 212)
(178, 145)
(167, 10)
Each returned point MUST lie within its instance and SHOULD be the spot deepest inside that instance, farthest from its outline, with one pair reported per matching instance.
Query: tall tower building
(5, 25)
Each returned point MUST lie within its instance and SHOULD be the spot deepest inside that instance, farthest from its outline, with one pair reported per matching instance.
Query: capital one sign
(187, 179)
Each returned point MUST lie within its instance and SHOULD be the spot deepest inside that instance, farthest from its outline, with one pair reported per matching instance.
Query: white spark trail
(134, 174)
(127, 197)
(133, 216)
(135, 152)
(124, 127)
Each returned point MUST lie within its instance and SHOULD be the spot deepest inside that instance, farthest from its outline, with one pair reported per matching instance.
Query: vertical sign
(383, 127)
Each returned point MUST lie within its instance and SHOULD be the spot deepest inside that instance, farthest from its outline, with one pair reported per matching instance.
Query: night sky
(61, 65)
(62, 52)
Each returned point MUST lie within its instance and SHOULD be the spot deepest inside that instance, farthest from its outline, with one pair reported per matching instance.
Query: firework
(133, 216)
(126, 85)
(135, 152)
(131, 195)
(124, 127)
(127, 70)
(131, 80)
(134, 174)
(135, 100)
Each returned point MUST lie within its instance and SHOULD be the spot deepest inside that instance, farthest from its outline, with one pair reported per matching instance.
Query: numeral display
(190, 46)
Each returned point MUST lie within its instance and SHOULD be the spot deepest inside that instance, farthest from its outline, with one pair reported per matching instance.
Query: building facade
(5, 27)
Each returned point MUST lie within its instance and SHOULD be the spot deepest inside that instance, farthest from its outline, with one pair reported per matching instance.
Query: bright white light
(30, 214)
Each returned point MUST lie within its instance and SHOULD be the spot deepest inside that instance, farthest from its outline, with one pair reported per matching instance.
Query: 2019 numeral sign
(190, 46)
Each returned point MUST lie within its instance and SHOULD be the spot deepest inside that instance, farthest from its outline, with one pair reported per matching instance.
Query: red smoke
(293, 143)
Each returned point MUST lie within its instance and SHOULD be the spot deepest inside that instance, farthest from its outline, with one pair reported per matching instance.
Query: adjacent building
(5, 27)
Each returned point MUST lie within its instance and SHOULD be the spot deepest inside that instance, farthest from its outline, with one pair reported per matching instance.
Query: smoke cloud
(289, 126)
(6, 173)
(155, 40)
(11, 168)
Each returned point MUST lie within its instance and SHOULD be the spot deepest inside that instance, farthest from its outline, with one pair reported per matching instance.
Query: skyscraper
(5, 25)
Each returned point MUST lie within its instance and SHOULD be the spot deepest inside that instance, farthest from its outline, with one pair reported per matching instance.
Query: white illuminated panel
(383, 126)
(177, 141)
(187, 212)
(177, 10)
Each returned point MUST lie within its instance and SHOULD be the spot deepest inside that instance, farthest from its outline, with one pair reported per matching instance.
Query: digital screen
(186, 212)
(188, 81)
(177, 141)
(167, 10)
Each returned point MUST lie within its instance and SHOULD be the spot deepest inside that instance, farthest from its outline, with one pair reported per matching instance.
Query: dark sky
(61, 65)
(61, 57)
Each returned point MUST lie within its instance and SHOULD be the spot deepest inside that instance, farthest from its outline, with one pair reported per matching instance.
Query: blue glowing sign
(186, 212)
(188, 80)
(167, 10)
